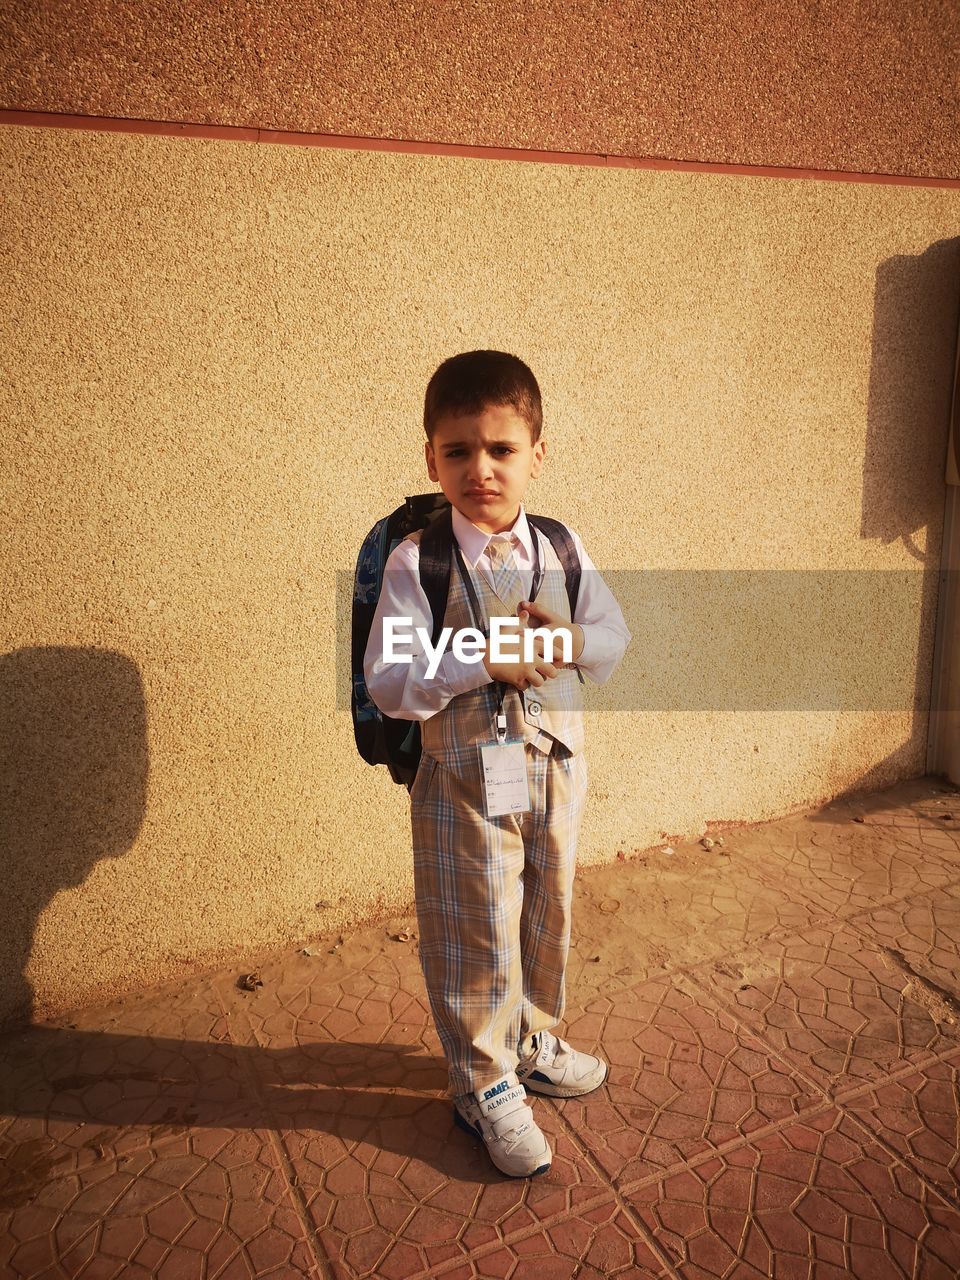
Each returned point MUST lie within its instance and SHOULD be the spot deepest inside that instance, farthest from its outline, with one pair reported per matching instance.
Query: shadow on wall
(73, 776)
(916, 312)
(915, 315)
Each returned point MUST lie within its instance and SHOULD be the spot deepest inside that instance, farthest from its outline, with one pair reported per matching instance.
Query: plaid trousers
(493, 902)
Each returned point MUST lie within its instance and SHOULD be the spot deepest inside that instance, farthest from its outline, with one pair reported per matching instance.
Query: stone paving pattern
(783, 1099)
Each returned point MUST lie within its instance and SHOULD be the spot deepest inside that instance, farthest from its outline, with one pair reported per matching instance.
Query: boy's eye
(457, 451)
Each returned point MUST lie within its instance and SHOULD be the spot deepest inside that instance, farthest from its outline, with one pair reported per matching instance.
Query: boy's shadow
(128, 1091)
(73, 779)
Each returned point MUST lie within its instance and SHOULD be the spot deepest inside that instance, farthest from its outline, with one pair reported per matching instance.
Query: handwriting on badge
(504, 778)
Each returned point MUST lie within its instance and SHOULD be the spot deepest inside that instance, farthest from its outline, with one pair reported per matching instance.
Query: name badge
(503, 767)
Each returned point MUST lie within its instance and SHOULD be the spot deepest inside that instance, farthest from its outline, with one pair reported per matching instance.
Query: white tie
(505, 574)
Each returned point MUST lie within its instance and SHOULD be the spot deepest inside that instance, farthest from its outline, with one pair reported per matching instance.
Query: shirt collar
(473, 541)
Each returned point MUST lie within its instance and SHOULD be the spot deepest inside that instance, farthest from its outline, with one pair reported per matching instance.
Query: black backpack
(380, 738)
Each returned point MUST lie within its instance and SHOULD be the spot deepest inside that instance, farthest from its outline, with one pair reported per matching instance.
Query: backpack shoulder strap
(436, 544)
(562, 542)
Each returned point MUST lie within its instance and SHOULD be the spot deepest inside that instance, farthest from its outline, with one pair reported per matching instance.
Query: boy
(493, 893)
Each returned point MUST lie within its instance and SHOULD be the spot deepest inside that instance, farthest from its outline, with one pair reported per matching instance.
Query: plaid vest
(538, 716)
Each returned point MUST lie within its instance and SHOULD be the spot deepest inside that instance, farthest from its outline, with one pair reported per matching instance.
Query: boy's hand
(522, 675)
(533, 614)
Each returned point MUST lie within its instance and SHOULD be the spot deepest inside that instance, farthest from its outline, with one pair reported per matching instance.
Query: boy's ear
(539, 452)
(431, 461)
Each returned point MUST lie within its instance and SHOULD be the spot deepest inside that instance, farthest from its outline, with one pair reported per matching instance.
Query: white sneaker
(559, 1071)
(499, 1115)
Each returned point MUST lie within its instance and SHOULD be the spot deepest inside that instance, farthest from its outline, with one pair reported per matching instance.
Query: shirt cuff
(588, 654)
(458, 676)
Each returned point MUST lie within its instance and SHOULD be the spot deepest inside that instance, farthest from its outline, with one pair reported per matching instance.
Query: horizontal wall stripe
(231, 133)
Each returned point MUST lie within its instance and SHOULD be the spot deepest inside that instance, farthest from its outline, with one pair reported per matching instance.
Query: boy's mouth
(481, 493)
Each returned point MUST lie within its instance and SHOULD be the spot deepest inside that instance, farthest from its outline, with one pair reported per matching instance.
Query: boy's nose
(480, 467)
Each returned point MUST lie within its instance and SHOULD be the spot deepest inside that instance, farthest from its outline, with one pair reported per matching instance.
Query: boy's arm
(605, 633)
(602, 630)
(402, 689)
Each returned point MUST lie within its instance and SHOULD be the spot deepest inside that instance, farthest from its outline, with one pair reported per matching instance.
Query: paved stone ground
(781, 1019)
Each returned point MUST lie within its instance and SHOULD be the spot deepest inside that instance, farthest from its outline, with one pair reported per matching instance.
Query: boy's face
(483, 462)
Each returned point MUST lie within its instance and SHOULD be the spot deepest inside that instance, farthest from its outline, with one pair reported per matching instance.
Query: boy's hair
(475, 380)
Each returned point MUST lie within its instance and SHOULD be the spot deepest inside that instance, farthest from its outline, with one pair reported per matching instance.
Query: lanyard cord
(477, 611)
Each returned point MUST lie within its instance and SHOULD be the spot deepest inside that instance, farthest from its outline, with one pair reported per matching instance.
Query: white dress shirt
(402, 690)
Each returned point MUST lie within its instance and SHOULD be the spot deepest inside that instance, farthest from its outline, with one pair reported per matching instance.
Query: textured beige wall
(870, 87)
(219, 352)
